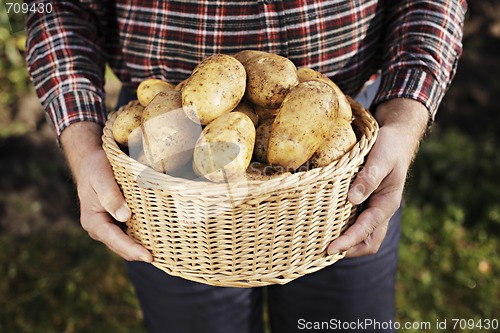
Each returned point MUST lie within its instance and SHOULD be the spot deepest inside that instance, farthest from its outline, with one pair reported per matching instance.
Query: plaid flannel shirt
(414, 43)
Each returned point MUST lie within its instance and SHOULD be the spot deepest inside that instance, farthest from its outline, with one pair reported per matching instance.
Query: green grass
(62, 281)
(449, 264)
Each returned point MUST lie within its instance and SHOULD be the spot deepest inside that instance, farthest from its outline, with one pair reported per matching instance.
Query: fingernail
(122, 214)
(356, 193)
(332, 252)
(145, 258)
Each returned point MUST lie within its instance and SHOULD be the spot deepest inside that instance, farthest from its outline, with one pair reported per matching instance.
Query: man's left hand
(381, 181)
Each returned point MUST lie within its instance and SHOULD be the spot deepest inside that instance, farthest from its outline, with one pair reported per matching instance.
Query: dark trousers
(352, 295)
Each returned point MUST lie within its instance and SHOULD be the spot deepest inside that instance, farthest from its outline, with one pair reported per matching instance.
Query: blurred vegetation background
(54, 278)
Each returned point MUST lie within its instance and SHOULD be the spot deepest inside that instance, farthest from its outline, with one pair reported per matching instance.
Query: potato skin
(149, 88)
(169, 135)
(215, 87)
(248, 109)
(224, 149)
(334, 147)
(245, 55)
(126, 125)
(304, 120)
(262, 135)
(308, 74)
(265, 113)
(181, 84)
(269, 78)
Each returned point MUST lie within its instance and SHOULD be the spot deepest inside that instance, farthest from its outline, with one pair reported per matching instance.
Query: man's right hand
(101, 200)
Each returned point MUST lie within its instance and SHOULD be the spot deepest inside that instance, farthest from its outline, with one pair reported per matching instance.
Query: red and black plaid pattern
(415, 44)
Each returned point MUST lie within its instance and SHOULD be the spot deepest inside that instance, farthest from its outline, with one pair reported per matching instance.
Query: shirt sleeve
(66, 63)
(421, 49)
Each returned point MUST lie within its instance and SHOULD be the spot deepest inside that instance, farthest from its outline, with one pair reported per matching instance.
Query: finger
(364, 226)
(370, 245)
(109, 194)
(101, 228)
(381, 206)
(368, 179)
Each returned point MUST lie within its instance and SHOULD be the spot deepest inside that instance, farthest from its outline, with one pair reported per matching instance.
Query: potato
(304, 120)
(214, 88)
(262, 134)
(334, 147)
(245, 55)
(169, 135)
(265, 113)
(270, 77)
(248, 109)
(308, 74)
(148, 89)
(224, 149)
(126, 124)
(181, 84)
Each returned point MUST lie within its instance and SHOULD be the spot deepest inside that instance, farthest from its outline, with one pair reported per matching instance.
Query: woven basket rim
(363, 120)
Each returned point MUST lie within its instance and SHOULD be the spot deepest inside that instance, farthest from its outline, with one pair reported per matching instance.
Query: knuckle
(86, 225)
(369, 175)
(380, 215)
(367, 233)
(373, 247)
(92, 234)
(351, 240)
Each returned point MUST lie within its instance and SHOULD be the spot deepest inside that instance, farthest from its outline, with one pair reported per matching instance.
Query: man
(415, 44)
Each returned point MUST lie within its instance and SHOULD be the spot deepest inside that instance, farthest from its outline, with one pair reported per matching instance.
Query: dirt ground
(37, 189)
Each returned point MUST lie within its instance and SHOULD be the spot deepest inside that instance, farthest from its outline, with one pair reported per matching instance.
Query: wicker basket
(244, 234)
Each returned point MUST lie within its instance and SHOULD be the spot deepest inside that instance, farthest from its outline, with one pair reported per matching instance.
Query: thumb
(104, 184)
(367, 180)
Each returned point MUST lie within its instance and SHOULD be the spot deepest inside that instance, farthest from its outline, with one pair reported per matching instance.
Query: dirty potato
(248, 109)
(169, 135)
(304, 120)
(270, 77)
(181, 84)
(214, 88)
(149, 88)
(308, 74)
(224, 149)
(127, 124)
(245, 55)
(262, 135)
(335, 146)
(265, 113)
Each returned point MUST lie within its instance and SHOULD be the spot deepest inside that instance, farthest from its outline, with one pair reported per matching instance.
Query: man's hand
(381, 181)
(100, 198)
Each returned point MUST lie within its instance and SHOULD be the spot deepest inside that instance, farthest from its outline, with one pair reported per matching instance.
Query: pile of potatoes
(252, 114)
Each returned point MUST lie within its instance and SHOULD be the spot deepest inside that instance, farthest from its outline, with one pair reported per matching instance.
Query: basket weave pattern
(247, 233)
